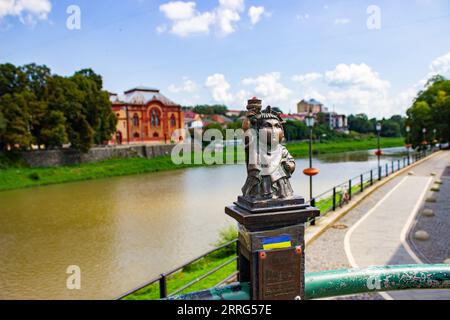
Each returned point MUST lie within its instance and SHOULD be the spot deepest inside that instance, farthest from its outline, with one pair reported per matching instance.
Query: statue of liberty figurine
(269, 163)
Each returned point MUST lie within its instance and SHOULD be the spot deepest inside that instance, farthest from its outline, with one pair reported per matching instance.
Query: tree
(390, 128)
(96, 105)
(210, 109)
(360, 123)
(15, 109)
(36, 79)
(295, 130)
(65, 96)
(42, 109)
(431, 110)
(2, 129)
(53, 133)
(12, 79)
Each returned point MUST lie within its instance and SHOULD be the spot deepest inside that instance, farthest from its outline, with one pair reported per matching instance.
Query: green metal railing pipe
(336, 283)
(376, 279)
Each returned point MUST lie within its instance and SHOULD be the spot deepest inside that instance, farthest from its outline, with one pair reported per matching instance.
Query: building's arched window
(155, 119)
(173, 121)
(136, 120)
(156, 135)
(136, 135)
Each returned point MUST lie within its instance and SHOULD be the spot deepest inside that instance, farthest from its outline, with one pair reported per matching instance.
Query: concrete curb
(324, 223)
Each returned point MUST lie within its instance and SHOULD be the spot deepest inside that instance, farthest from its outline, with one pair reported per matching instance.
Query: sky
(355, 56)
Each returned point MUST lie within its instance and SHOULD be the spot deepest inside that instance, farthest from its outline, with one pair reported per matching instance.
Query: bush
(34, 176)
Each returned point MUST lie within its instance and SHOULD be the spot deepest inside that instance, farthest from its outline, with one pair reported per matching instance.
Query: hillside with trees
(48, 111)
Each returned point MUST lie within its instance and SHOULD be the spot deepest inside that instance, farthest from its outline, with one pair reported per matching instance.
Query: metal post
(313, 204)
(310, 163)
(163, 286)
(371, 177)
(387, 170)
(334, 199)
(362, 183)
(350, 190)
(392, 167)
(379, 155)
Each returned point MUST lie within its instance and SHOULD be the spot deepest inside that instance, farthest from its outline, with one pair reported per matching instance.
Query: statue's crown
(270, 113)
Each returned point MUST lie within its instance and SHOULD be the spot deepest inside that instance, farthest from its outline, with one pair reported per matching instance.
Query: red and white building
(145, 116)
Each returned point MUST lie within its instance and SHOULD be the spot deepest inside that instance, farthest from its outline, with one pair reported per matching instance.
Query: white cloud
(28, 11)
(188, 86)
(356, 75)
(255, 14)
(361, 90)
(178, 10)
(269, 88)
(440, 65)
(306, 78)
(342, 21)
(187, 20)
(195, 25)
(219, 88)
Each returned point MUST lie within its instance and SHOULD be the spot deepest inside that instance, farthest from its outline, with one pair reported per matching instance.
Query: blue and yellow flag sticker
(282, 242)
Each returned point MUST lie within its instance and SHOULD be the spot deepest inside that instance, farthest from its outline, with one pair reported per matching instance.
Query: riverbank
(23, 177)
(299, 150)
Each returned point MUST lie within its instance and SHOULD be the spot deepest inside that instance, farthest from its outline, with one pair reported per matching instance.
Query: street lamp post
(379, 152)
(434, 138)
(424, 142)
(310, 122)
(408, 145)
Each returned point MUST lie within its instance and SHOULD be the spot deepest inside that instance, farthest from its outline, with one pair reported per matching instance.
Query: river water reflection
(124, 231)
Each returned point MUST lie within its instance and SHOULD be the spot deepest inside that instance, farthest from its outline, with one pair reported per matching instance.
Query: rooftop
(313, 102)
(142, 95)
(142, 89)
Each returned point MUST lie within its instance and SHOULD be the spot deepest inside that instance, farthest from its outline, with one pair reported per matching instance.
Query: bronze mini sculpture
(271, 219)
(269, 164)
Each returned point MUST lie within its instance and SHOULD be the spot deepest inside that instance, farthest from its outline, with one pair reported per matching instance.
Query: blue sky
(225, 51)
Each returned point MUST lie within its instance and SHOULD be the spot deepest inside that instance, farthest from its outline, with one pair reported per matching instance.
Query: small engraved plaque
(280, 275)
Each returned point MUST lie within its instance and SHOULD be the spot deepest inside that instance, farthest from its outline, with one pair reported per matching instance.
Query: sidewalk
(375, 231)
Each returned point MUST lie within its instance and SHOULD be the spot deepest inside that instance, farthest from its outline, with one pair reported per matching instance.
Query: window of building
(173, 121)
(136, 120)
(155, 119)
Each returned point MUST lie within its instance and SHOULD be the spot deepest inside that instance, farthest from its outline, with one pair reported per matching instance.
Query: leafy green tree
(66, 97)
(210, 109)
(36, 79)
(431, 110)
(53, 133)
(390, 128)
(2, 130)
(96, 105)
(360, 123)
(15, 108)
(12, 79)
(295, 130)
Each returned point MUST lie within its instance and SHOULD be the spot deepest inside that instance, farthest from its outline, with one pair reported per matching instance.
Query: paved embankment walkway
(375, 231)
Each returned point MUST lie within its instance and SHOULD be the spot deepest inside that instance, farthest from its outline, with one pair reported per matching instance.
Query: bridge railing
(335, 283)
(162, 282)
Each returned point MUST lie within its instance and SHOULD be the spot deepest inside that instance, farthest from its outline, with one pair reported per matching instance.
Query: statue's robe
(267, 175)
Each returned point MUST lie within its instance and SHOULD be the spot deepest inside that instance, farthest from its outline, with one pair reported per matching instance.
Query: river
(124, 231)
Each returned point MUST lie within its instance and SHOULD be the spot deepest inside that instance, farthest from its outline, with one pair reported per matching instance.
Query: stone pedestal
(271, 246)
